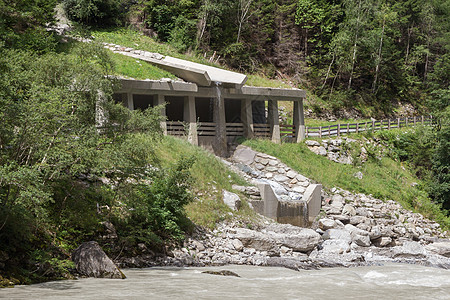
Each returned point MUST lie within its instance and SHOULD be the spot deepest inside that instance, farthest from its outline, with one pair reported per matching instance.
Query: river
(393, 281)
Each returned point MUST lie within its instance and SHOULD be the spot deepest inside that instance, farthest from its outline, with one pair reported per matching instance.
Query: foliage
(90, 12)
(157, 209)
(385, 179)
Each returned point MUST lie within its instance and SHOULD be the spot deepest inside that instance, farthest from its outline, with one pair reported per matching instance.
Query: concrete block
(312, 196)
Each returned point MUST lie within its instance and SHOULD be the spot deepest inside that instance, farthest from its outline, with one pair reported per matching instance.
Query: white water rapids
(394, 281)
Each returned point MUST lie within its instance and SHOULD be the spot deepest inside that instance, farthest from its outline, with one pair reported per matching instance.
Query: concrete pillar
(274, 122)
(130, 103)
(299, 121)
(190, 118)
(160, 101)
(220, 143)
(247, 117)
(100, 113)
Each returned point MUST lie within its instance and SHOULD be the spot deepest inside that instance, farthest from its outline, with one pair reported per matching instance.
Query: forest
(62, 175)
(352, 54)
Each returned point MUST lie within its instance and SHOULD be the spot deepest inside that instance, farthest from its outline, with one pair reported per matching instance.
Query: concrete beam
(160, 101)
(130, 102)
(299, 121)
(191, 119)
(216, 75)
(313, 198)
(270, 200)
(274, 121)
(157, 85)
(247, 117)
(220, 143)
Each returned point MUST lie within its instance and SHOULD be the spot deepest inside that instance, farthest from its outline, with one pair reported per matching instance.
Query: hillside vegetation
(363, 56)
(71, 165)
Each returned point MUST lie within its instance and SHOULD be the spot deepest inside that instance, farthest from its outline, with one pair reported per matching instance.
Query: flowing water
(393, 281)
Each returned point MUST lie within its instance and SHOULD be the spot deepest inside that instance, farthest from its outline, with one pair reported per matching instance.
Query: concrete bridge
(212, 106)
(214, 116)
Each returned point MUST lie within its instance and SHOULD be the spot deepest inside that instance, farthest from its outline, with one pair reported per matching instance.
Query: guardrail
(287, 132)
(375, 125)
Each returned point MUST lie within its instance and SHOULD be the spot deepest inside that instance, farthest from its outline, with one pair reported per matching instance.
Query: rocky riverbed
(351, 230)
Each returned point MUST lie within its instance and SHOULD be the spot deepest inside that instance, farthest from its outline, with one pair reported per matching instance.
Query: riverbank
(353, 229)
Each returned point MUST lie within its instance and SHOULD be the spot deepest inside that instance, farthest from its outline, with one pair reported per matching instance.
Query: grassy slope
(385, 179)
(210, 177)
(130, 67)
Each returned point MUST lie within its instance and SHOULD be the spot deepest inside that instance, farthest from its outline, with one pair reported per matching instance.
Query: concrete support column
(274, 121)
(130, 103)
(190, 118)
(220, 143)
(247, 117)
(100, 114)
(160, 101)
(299, 121)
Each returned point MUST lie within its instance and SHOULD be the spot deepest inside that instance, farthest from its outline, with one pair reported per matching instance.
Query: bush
(95, 12)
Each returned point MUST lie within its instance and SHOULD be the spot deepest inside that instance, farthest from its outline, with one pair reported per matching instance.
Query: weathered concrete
(191, 119)
(270, 200)
(313, 199)
(293, 212)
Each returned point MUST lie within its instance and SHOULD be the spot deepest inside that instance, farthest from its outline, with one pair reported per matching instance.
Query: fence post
(414, 121)
(357, 127)
(348, 128)
(422, 120)
(398, 122)
(320, 131)
(381, 124)
(339, 130)
(389, 124)
(406, 121)
(373, 125)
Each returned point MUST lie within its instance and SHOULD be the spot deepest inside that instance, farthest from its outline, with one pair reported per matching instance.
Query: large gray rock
(244, 155)
(409, 250)
(337, 234)
(277, 188)
(256, 240)
(335, 246)
(326, 224)
(91, 261)
(441, 248)
(231, 200)
(296, 238)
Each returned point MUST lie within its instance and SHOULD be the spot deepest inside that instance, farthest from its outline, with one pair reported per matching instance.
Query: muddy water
(393, 281)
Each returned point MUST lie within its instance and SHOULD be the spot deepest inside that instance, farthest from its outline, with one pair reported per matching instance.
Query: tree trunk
(354, 46)
(328, 71)
(377, 68)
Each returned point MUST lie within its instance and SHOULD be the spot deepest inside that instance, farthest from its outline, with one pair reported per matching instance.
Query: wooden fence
(288, 131)
(340, 129)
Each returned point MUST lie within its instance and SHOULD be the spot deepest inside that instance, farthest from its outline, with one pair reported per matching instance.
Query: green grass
(133, 68)
(131, 38)
(210, 177)
(385, 179)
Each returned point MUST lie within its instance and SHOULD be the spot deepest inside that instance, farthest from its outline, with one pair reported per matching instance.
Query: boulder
(409, 250)
(441, 248)
(91, 261)
(296, 238)
(312, 143)
(337, 234)
(335, 246)
(231, 200)
(244, 155)
(349, 210)
(326, 224)
(256, 240)
(382, 241)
